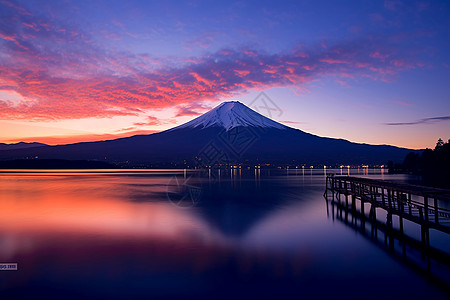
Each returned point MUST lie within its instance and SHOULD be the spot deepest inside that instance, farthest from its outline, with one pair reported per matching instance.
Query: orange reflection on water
(75, 217)
(78, 204)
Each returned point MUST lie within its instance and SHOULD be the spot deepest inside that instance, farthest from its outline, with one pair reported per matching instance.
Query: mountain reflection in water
(142, 234)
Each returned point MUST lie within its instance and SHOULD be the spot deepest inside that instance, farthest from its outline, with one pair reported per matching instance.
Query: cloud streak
(61, 73)
(422, 121)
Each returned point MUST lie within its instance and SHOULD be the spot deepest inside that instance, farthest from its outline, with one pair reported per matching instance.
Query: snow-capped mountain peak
(229, 115)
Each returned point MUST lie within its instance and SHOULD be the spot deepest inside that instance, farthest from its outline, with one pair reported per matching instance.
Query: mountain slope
(231, 132)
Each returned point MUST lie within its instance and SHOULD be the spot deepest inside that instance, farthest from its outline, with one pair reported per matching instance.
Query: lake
(168, 234)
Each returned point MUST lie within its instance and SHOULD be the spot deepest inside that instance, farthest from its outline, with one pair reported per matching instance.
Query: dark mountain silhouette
(231, 132)
(20, 145)
(54, 164)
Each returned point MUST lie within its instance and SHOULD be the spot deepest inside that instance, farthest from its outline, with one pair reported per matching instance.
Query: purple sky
(368, 71)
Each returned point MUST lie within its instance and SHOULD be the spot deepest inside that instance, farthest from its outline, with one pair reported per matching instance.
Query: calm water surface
(242, 234)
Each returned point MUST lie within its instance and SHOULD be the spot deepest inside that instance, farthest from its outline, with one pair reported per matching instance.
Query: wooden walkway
(425, 206)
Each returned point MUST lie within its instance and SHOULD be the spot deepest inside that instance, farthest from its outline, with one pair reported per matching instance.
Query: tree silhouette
(432, 165)
(440, 143)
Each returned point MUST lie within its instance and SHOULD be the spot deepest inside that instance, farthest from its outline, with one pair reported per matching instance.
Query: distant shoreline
(95, 164)
(55, 164)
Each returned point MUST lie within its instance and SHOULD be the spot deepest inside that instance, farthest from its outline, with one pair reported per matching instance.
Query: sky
(374, 72)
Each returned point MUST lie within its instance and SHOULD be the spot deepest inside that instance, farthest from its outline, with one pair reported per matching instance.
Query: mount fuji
(229, 115)
(229, 133)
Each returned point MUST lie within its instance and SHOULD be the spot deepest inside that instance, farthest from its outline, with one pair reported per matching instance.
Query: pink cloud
(203, 41)
(192, 109)
(342, 83)
(150, 121)
(293, 122)
(153, 121)
(379, 55)
(242, 73)
(334, 61)
(250, 53)
(404, 103)
(66, 75)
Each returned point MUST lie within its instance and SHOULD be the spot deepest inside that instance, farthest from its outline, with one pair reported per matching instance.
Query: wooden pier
(425, 206)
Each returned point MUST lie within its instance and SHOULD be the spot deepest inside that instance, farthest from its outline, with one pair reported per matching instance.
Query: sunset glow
(374, 72)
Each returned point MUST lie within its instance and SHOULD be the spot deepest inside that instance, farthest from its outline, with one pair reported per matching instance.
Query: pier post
(389, 220)
(374, 222)
(362, 207)
(389, 198)
(409, 203)
(389, 231)
(401, 224)
(332, 210)
(436, 213)
(373, 218)
(425, 234)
